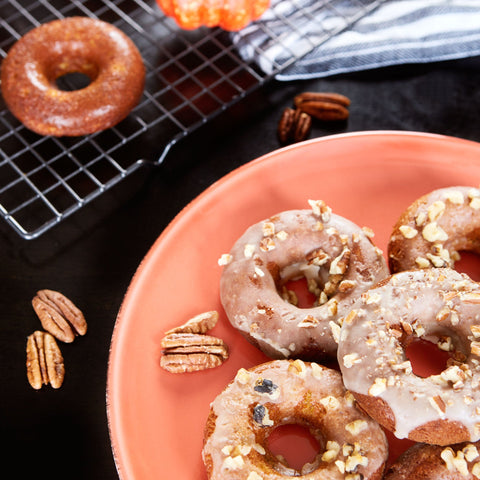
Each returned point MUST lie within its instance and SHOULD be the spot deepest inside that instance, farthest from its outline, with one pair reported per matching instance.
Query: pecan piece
(201, 323)
(338, 268)
(59, 315)
(190, 352)
(44, 361)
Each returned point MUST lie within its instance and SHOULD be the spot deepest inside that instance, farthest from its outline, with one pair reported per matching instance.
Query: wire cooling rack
(191, 77)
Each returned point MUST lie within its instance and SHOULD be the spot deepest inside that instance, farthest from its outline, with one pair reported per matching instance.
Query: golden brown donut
(434, 228)
(72, 45)
(438, 305)
(433, 462)
(336, 256)
(280, 392)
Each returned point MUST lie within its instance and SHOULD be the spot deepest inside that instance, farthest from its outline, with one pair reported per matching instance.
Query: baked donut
(434, 228)
(438, 305)
(72, 45)
(434, 462)
(336, 256)
(280, 392)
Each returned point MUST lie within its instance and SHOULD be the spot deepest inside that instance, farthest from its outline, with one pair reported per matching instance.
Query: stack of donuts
(365, 316)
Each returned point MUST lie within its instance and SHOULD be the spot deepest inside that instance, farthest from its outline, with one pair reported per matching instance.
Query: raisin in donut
(438, 305)
(434, 228)
(280, 392)
(335, 255)
(72, 45)
(433, 462)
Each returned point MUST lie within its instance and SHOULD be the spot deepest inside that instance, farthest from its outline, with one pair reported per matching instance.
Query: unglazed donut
(290, 392)
(335, 255)
(72, 45)
(438, 305)
(433, 462)
(434, 228)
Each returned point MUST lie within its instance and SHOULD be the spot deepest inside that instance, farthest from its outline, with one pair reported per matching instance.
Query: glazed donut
(72, 45)
(280, 392)
(432, 230)
(335, 255)
(438, 305)
(433, 462)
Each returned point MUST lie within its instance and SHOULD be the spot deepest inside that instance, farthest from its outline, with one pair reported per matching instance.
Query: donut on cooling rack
(336, 256)
(434, 228)
(433, 462)
(73, 45)
(438, 305)
(290, 392)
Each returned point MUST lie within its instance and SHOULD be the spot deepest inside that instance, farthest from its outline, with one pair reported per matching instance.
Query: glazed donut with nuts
(434, 228)
(282, 392)
(337, 258)
(439, 305)
(72, 45)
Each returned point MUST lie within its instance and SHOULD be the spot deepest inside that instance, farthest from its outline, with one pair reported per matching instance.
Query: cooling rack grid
(191, 77)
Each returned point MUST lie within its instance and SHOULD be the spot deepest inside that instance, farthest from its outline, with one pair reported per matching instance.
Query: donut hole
(426, 357)
(72, 81)
(469, 263)
(70, 73)
(303, 298)
(303, 285)
(295, 447)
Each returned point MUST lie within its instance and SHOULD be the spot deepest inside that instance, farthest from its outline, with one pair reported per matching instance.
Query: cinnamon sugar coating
(72, 45)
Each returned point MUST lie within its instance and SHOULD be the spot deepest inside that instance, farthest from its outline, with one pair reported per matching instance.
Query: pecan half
(192, 362)
(294, 126)
(59, 315)
(286, 125)
(201, 323)
(44, 361)
(190, 352)
(329, 97)
(323, 106)
(325, 111)
(303, 125)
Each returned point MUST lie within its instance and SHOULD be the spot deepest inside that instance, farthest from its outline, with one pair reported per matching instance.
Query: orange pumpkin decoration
(230, 15)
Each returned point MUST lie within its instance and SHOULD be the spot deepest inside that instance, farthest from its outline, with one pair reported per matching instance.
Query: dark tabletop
(92, 255)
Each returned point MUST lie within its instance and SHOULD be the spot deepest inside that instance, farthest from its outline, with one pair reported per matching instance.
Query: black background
(92, 255)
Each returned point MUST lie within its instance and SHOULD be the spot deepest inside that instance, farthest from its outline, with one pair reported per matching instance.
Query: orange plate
(156, 419)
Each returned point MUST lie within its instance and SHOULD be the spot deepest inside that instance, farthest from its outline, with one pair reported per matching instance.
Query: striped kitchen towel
(304, 39)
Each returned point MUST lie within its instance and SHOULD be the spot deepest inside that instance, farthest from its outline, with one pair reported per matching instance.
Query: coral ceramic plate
(156, 418)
